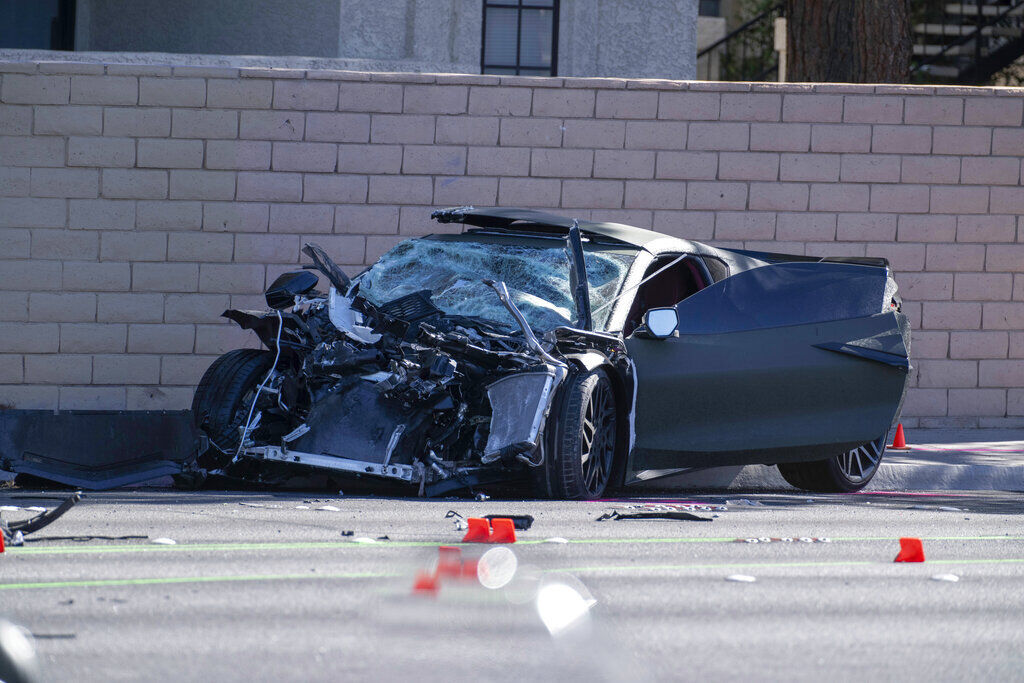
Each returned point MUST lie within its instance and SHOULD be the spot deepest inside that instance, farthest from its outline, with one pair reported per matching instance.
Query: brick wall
(138, 202)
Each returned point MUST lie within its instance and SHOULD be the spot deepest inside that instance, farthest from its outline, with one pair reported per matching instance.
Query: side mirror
(660, 323)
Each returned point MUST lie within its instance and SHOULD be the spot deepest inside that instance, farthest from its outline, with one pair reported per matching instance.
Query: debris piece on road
(952, 578)
(164, 541)
(556, 539)
(911, 550)
(457, 519)
(741, 578)
(682, 516)
(482, 497)
(801, 539)
(745, 502)
(348, 533)
(301, 507)
(329, 508)
(521, 522)
(363, 539)
(13, 533)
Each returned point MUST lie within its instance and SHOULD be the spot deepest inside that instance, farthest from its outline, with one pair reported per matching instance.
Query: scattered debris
(348, 533)
(801, 539)
(952, 578)
(911, 550)
(482, 497)
(682, 516)
(521, 522)
(301, 507)
(457, 519)
(329, 508)
(13, 533)
(164, 541)
(556, 539)
(745, 502)
(363, 539)
(741, 578)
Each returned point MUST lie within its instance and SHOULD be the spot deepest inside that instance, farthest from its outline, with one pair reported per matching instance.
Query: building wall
(138, 202)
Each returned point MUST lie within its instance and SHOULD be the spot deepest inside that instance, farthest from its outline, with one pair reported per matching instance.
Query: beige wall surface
(138, 202)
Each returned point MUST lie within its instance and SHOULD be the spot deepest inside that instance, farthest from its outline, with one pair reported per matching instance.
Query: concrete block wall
(138, 202)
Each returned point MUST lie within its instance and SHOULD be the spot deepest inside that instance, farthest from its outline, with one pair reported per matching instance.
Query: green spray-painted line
(91, 583)
(334, 545)
(770, 565)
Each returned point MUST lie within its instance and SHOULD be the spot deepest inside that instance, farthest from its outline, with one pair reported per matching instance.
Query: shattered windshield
(535, 271)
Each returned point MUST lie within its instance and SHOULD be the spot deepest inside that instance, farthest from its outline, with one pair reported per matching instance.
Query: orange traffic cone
(425, 583)
(449, 561)
(477, 531)
(911, 550)
(1, 541)
(469, 569)
(503, 530)
(899, 442)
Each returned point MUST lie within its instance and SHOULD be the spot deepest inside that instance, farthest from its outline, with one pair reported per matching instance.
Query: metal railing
(966, 42)
(746, 53)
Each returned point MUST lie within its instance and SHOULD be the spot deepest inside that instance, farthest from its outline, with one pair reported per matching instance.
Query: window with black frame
(520, 37)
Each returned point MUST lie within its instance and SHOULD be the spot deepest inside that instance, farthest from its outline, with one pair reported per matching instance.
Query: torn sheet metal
(519, 404)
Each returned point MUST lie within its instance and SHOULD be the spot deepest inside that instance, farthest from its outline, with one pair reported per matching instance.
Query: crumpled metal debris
(14, 532)
(676, 515)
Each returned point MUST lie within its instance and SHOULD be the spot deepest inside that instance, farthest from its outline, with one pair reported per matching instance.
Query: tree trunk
(848, 41)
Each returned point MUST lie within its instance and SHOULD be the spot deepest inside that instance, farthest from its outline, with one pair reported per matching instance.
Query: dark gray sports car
(571, 357)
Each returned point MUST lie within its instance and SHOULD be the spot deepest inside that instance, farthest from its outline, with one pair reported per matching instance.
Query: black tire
(217, 407)
(581, 449)
(844, 473)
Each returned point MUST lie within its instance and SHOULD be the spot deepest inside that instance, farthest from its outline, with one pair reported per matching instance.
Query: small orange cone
(469, 569)
(911, 550)
(425, 583)
(503, 530)
(1, 542)
(477, 531)
(449, 561)
(899, 442)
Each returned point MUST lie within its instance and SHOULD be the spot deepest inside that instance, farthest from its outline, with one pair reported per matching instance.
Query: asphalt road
(257, 588)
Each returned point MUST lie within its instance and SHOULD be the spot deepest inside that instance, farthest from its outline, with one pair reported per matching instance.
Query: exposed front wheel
(225, 393)
(844, 473)
(579, 464)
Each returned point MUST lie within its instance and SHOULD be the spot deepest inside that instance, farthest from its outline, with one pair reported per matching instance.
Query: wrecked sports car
(569, 357)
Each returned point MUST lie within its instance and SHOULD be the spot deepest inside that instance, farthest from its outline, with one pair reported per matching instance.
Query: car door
(789, 361)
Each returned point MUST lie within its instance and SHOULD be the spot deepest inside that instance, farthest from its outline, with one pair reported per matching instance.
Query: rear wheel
(225, 392)
(844, 473)
(579, 463)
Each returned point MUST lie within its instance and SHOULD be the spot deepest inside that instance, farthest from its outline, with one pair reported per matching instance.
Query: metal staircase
(966, 42)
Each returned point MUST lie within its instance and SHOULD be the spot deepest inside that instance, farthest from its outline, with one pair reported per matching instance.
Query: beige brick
(563, 103)
(688, 106)
(962, 200)
(961, 140)
(459, 190)
(15, 243)
(164, 277)
(804, 226)
(334, 188)
(975, 345)
(925, 344)
(506, 161)
(656, 135)
(235, 216)
(435, 99)
(92, 398)
(872, 109)
(956, 315)
(1008, 141)
(779, 137)
(369, 158)
(125, 369)
(53, 369)
(344, 249)
(133, 246)
(370, 97)
(812, 167)
(232, 93)
(751, 107)
(172, 92)
(14, 182)
(902, 257)
(748, 166)
(194, 308)
(630, 104)
(130, 183)
(65, 182)
(104, 90)
(991, 170)
(163, 338)
(985, 229)
(840, 138)
(977, 402)
(993, 111)
(305, 95)
(1003, 316)
(337, 127)
(623, 164)
(302, 217)
(1007, 200)
(930, 169)
(934, 110)
(926, 286)
(865, 227)
(184, 369)
(101, 152)
(361, 219)
(243, 155)
(304, 156)
(718, 196)
(1005, 257)
(31, 275)
(656, 194)
(592, 193)
(45, 307)
(491, 101)
(955, 257)
(805, 108)
(199, 246)
(718, 136)
(12, 369)
(434, 160)
(239, 278)
(16, 120)
(415, 220)
(267, 248)
(220, 339)
(744, 225)
(272, 125)
(899, 198)
(529, 192)
(19, 212)
(90, 276)
(531, 132)
(696, 225)
(188, 184)
(64, 244)
(173, 215)
(65, 120)
(569, 163)
(400, 190)
(31, 337)
(130, 308)
(926, 228)
(24, 397)
(1016, 344)
(935, 374)
(472, 130)
(778, 196)
(1015, 402)
(204, 123)
(34, 89)
(32, 151)
(135, 122)
(404, 129)
(158, 398)
(901, 139)
(170, 153)
(687, 165)
(602, 134)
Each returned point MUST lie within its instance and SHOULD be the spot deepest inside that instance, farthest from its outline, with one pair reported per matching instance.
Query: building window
(520, 37)
(37, 24)
(710, 8)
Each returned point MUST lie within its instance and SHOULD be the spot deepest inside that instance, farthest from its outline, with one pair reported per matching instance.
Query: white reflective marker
(741, 578)
(496, 568)
(164, 541)
(952, 578)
